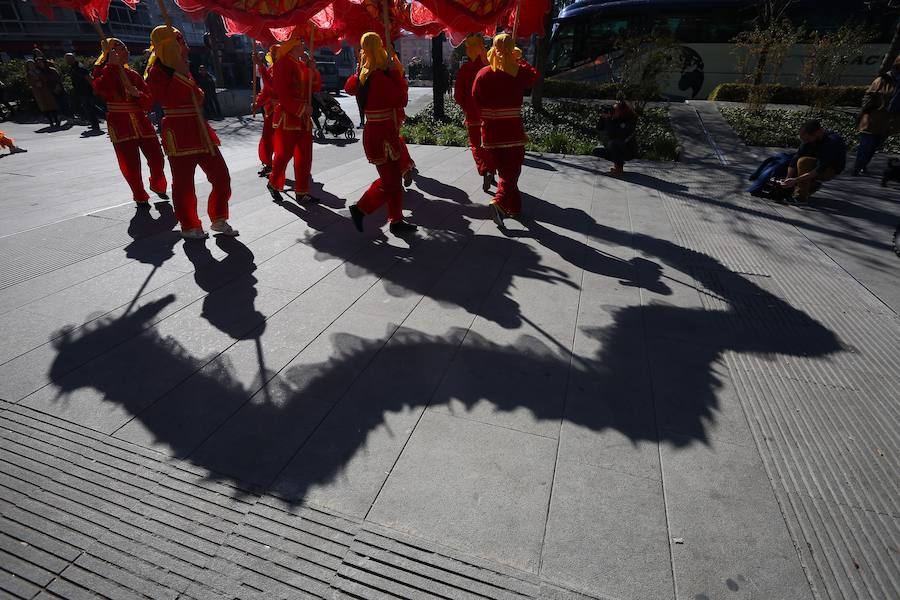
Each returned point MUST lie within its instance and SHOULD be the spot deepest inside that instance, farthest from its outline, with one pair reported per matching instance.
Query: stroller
(337, 123)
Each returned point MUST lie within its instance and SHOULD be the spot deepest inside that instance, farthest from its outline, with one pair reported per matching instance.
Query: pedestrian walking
(207, 83)
(43, 96)
(498, 91)
(82, 91)
(879, 116)
(188, 140)
(294, 82)
(384, 92)
(462, 93)
(266, 100)
(130, 130)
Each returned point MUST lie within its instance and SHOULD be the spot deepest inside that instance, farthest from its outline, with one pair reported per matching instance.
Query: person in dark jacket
(619, 124)
(822, 156)
(879, 116)
(207, 83)
(82, 92)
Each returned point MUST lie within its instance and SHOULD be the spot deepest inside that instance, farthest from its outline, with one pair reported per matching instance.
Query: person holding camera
(618, 123)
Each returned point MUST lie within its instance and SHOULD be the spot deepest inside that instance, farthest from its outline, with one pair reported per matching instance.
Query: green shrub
(12, 74)
(779, 127)
(564, 128)
(784, 94)
(556, 88)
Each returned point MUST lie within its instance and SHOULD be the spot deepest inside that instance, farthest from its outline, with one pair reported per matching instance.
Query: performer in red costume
(130, 130)
(294, 82)
(188, 140)
(498, 92)
(462, 93)
(383, 91)
(266, 101)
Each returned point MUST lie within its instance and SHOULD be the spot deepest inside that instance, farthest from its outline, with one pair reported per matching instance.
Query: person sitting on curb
(822, 156)
(620, 124)
(879, 116)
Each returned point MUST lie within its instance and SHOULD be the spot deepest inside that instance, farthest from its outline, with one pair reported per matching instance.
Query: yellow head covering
(164, 47)
(272, 54)
(475, 47)
(105, 48)
(504, 55)
(372, 57)
(284, 48)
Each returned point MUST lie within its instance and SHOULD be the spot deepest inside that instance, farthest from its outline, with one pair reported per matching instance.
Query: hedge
(785, 94)
(556, 88)
(778, 127)
(564, 128)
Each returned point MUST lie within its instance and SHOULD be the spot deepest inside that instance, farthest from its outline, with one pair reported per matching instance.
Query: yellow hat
(372, 56)
(475, 47)
(504, 55)
(105, 48)
(272, 54)
(285, 47)
(164, 46)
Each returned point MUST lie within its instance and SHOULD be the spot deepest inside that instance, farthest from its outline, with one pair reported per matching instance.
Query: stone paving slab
(653, 387)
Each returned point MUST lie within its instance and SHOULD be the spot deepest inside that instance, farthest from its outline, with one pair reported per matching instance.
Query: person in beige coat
(879, 117)
(43, 93)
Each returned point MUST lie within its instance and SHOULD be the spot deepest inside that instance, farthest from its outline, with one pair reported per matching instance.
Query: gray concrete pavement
(654, 387)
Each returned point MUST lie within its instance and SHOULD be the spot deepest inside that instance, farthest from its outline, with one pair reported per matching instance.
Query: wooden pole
(515, 30)
(312, 49)
(165, 13)
(254, 66)
(386, 19)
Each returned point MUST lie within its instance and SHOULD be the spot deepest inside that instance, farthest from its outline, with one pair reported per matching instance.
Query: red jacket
(462, 93)
(184, 128)
(499, 96)
(291, 82)
(386, 99)
(266, 98)
(126, 116)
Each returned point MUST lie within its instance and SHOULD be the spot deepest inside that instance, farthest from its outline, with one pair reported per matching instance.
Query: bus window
(561, 53)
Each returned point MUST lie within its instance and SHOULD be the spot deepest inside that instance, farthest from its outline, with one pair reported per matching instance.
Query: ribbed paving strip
(837, 490)
(281, 551)
(383, 563)
(124, 526)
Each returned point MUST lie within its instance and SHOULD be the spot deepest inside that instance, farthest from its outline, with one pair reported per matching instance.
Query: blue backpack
(763, 178)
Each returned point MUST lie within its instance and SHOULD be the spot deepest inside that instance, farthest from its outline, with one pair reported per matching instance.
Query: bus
(581, 47)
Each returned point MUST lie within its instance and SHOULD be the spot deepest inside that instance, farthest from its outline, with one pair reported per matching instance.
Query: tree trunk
(760, 70)
(439, 76)
(893, 51)
(543, 50)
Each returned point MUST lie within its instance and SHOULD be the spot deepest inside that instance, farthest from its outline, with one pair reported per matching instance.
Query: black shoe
(162, 195)
(145, 205)
(276, 195)
(486, 181)
(497, 214)
(401, 227)
(357, 215)
(264, 171)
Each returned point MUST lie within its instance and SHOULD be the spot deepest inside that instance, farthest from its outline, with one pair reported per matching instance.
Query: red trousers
(388, 188)
(129, 157)
(184, 196)
(509, 166)
(483, 159)
(406, 161)
(266, 141)
(296, 144)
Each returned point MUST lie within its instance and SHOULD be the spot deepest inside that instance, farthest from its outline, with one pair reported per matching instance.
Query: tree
(439, 75)
(543, 50)
(761, 54)
(829, 55)
(888, 9)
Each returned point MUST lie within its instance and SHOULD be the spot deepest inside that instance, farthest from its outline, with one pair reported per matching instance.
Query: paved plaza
(655, 387)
